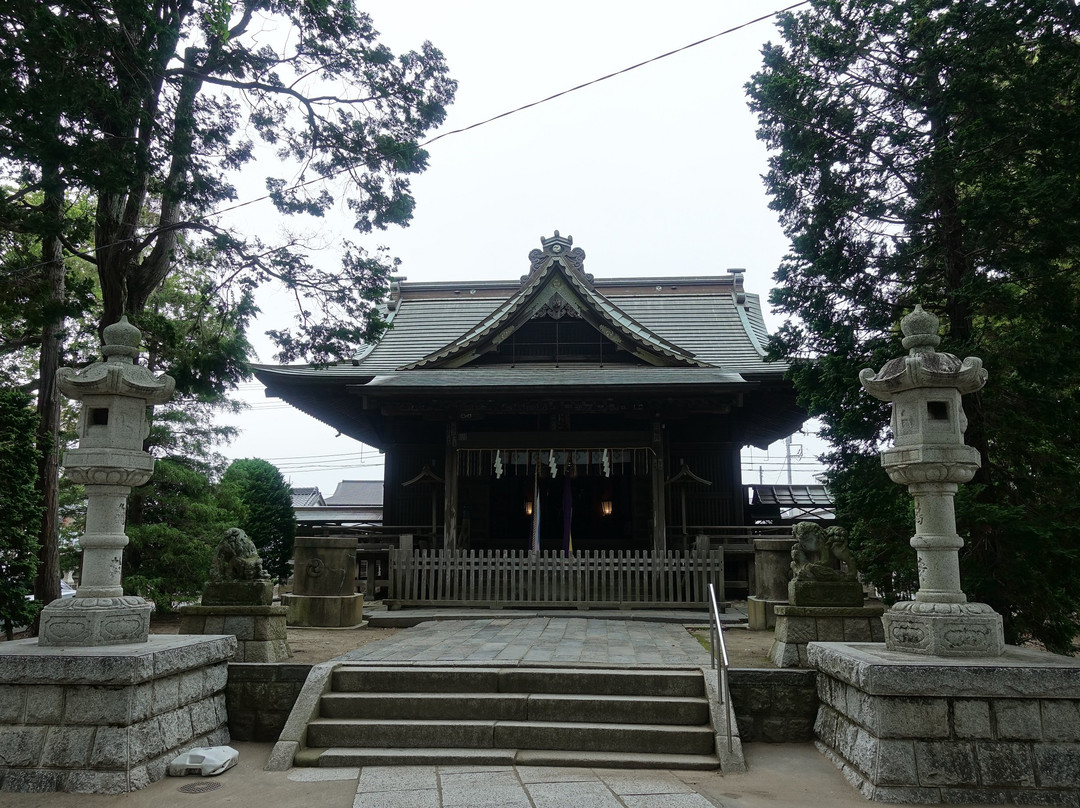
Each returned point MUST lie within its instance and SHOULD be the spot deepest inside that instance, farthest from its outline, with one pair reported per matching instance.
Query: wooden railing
(601, 579)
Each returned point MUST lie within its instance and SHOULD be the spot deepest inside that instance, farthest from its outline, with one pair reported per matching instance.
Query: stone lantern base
(930, 729)
(85, 622)
(944, 629)
(107, 719)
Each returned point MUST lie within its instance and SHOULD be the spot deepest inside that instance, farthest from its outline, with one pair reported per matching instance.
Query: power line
(616, 73)
(300, 185)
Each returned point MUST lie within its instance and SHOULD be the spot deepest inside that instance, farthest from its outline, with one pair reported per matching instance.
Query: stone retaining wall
(107, 720)
(774, 706)
(260, 697)
(913, 729)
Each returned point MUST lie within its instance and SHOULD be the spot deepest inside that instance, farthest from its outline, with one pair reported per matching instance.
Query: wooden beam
(553, 440)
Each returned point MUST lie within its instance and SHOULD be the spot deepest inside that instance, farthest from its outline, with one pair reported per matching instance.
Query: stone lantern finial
(931, 459)
(122, 340)
(920, 331)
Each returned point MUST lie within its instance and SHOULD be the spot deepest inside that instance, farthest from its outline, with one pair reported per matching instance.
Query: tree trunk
(47, 583)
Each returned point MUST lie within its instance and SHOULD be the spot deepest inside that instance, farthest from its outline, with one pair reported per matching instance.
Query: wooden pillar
(450, 490)
(658, 476)
(739, 502)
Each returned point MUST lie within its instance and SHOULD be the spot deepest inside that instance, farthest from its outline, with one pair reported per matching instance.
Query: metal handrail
(718, 652)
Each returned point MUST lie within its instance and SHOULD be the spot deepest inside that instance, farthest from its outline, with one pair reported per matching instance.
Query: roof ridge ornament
(562, 248)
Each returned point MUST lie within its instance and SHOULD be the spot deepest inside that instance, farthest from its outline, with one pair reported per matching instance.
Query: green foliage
(174, 523)
(20, 511)
(268, 517)
(71, 499)
(122, 126)
(926, 151)
(154, 107)
(27, 304)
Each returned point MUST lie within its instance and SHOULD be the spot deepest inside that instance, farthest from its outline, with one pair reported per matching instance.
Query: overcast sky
(654, 172)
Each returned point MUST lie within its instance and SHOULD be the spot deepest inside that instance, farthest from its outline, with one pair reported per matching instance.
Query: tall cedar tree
(36, 296)
(267, 511)
(149, 107)
(20, 510)
(928, 151)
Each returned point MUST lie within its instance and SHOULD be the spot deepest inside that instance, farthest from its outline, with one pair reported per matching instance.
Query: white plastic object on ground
(206, 760)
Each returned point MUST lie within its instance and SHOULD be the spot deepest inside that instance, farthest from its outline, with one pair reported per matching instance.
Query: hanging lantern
(606, 507)
(528, 507)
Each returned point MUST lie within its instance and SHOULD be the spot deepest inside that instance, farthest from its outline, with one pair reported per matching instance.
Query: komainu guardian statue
(824, 572)
(236, 559)
(237, 577)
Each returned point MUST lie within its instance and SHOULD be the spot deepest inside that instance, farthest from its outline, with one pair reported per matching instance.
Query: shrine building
(559, 411)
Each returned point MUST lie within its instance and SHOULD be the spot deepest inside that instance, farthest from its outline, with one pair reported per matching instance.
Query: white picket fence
(601, 579)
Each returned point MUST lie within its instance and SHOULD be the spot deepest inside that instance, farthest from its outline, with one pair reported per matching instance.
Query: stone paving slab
(779, 776)
(538, 640)
(379, 616)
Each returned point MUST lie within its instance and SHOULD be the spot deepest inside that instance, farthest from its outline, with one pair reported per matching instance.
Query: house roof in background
(306, 497)
(793, 496)
(357, 492)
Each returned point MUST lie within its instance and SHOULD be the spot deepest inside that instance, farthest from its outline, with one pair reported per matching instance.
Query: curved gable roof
(557, 284)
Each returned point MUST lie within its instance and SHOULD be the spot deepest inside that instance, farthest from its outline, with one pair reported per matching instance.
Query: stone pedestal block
(108, 719)
(324, 566)
(924, 729)
(772, 567)
(238, 593)
(772, 572)
(260, 631)
(324, 611)
(324, 583)
(944, 629)
(85, 621)
(825, 593)
(761, 614)
(797, 626)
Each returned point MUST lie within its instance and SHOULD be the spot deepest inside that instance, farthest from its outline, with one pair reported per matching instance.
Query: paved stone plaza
(570, 641)
(780, 776)
(524, 786)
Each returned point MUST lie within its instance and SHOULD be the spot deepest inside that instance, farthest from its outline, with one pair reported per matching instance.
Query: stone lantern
(109, 461)
(931, 459)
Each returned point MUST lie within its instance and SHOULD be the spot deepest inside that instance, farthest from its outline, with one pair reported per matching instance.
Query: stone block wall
(994, 731)
(259, 698)
(107, 721)
(798, 626)
(260, 631)
(774, 706)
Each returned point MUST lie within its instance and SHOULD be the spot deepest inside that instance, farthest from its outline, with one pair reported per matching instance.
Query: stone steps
(508, 757)
(384, 715)
(555, 735)
(449, 679)
(517, 707)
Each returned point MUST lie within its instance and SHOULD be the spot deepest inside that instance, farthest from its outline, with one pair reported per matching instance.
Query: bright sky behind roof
(654, 172)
